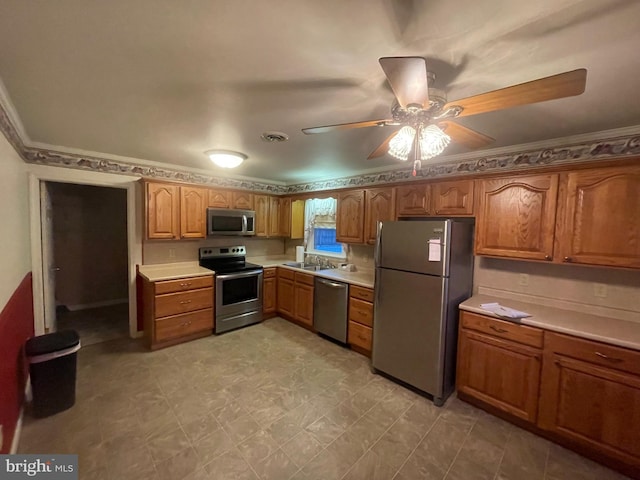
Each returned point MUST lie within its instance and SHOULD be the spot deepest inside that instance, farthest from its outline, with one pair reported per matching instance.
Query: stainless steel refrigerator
(424, 270)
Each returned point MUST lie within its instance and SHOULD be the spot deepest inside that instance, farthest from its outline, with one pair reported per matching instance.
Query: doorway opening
(85, 249)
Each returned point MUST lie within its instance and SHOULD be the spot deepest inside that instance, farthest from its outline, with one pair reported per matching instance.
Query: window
(320, 228)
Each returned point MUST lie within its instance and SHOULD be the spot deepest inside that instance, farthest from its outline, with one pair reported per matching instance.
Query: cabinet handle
(184, 302)
(185, 284)
(548, 257)
(496, 329)
(608, 358)
(567, 259)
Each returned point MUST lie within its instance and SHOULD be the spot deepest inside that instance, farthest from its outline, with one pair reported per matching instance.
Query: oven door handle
(229, 276)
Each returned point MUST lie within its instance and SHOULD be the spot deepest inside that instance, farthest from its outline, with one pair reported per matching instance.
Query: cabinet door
(285, 217)
(274, 217)
(297, 219)
(219, 198)
(262, 215)
(516, 217)
(413, 200)
(600, 221)
(285, 297)
(380, 207)
(193, 212)
(242, 200)
(452, 198)
(269, 295)
(304, 303)
(593, 405)
(503, 374)
(163, 211)
(350, 217)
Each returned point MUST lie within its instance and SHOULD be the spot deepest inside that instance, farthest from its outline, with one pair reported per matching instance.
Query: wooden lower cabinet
(360, 326)
(269, 292)
(502, 373)
(582, 394)
(303, 300)
(285, 292)
(176, 311)
(591, 395)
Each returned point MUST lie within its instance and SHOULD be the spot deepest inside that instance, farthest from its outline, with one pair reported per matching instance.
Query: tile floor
(96, 325)
(273, 401)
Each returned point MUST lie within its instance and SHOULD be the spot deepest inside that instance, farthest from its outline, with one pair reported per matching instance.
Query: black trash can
(52, 366)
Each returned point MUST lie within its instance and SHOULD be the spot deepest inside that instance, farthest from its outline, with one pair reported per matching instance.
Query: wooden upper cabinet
(413, 200)
(380, 207)
(297, 219)
(452, 198)
(599, 219)
(274, 217)
(242, 200)
(516, 216)
(193, 212)
(219, 198)
(163, 211)
(350, 217)
(285, 217)
(261, 203)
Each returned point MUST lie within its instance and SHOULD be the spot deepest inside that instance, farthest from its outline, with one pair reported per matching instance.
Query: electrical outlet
(600, 290)
(172, 253)
(523, 280)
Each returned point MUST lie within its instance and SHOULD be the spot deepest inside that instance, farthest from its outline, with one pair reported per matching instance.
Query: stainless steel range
(238, 292)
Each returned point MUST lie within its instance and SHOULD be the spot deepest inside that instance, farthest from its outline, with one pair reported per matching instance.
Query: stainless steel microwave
(222, 221)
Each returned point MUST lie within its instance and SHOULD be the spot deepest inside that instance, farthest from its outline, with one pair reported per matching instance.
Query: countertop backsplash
(595, 290)
(162, 251)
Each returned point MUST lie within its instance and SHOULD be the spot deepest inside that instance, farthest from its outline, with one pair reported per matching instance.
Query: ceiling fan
(426, 117)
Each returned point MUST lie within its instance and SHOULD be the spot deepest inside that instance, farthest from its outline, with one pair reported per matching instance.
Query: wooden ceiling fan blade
(408, 79)
(346, 126)
(465, 136)
(383, 148)
(566, 84)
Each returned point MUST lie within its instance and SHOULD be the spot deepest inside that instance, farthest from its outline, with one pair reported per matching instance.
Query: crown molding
(608, 144)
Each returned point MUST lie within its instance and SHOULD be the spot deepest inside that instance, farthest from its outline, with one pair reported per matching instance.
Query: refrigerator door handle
(376, 253)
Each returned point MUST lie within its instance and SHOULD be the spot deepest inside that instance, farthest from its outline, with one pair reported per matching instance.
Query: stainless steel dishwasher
(330, 305)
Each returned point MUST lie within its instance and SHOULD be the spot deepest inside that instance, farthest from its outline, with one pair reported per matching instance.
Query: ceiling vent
(274, 137)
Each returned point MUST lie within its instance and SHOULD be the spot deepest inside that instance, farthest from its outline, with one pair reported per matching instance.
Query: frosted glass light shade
(226, 158)
(400, 145)
(433, 141)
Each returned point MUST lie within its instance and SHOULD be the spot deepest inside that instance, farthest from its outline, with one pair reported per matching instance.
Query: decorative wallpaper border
(606, 148)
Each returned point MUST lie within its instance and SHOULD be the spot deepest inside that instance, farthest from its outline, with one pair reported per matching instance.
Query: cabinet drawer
(175, 303)
(184, 324)
(593, 352)
(183, 284)
(499, 328)
(269, 272)
(284, 273)
(304, 278)
(365, 294)
(360, 335)
(361, 312)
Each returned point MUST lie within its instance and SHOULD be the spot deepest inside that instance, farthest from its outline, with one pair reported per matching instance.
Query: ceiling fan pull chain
(417, 165)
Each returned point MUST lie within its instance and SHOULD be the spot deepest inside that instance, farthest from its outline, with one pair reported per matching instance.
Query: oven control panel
(214, 252)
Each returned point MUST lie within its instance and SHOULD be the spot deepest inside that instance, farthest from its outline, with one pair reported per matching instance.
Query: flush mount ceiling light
(226, 158)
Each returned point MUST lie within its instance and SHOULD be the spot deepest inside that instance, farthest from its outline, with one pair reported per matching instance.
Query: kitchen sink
(305, 266)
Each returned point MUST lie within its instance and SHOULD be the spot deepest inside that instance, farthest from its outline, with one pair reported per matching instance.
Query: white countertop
(171, 271)
(362, 277)
(602, 329)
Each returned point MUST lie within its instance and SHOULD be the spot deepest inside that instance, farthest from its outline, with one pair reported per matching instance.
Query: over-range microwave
(222, 221)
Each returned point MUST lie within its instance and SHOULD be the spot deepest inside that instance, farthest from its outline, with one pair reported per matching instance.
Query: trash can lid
(51, 342)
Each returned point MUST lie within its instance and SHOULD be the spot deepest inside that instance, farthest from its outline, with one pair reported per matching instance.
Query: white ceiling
(165, 80)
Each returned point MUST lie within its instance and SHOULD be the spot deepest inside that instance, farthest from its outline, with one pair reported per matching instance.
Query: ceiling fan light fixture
(400, 145)
(433, 141)
(226, 158)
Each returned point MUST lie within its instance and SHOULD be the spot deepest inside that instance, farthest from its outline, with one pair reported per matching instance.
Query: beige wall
(90, 244)
(15, 254)
(162, 251)
(570, 287)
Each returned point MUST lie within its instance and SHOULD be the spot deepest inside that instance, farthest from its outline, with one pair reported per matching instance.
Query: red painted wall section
(16, 326)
